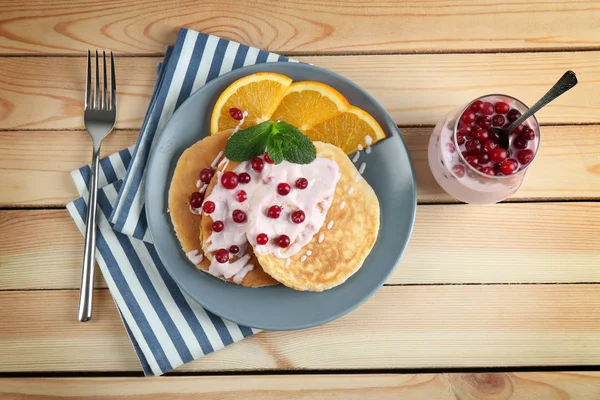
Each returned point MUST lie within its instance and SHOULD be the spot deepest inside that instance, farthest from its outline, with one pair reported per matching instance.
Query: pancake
(345, 246)
(187, 225)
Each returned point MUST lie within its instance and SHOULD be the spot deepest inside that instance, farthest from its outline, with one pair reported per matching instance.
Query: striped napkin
(167, 328)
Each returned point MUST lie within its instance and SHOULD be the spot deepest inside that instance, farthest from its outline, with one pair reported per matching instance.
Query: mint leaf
(275, 146)
(297, 148)
(249, 143)
(281, 140)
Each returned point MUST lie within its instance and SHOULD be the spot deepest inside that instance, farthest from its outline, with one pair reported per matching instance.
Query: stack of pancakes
(332, 261)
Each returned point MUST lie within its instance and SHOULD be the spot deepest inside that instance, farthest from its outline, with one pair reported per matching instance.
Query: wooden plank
(61, 27)
(35, 166)
(32, 177)
(556, 242)
(487, 386)
(47, 92)
(400, 327)
(40, 249)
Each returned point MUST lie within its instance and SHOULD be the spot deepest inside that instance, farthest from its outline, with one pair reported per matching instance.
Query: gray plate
(389, 171)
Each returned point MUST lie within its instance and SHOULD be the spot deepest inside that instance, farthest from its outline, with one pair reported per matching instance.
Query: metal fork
(99, 118)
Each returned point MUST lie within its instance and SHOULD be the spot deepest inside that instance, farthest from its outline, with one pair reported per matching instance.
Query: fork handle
(87, 275)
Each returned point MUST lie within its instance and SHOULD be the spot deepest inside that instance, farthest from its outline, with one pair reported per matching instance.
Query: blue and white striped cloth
(166, 327)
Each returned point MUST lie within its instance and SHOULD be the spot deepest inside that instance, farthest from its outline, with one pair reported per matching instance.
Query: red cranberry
(238, 216)
(262, 238)
(274, 212)
(298, 217)
(464, 154)
(509, 166)
(473, 147)
(489, 145)
(257, 164)
(196, 200)
(206, 175)
(498, 120)
(498, 155)
(229, 180)
(488, 171)
(517, 130)
(301, 183)
(283, 189)
(460, 139)
(473, 160)
(513, 115)
(208, 207)
(483, 158)
(482, 135)
(222, 256)
(468, 117)
(488, 108)
(458, 170)
(236, 114)
(464, 129)
(241, 196)
(234, 249)
(525, 156)
(244, 178)
(283, 241)
(528, 133)
(218, 226)
(494, 134)
(501, 107)
(520, 142)
(477, 106)
(268, 159)
(484, 122)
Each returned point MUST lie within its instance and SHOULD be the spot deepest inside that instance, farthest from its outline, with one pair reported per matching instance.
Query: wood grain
(570, 155)
(555, 242)
(47, 93)
(61, 27)
(504, 386)
(400, 327)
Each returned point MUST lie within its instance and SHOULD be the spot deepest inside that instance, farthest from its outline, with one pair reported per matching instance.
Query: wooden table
(489, 302)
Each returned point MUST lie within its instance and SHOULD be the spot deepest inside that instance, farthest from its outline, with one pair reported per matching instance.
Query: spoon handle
(566, 82)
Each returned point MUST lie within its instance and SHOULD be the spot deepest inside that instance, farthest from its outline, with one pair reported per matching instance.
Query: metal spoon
(566, 82)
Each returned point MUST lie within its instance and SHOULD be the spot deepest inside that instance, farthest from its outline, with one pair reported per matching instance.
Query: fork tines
(96, 99)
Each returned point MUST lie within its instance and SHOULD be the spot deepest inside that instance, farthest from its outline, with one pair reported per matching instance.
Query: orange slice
(258, 94)
(307, 103)
(348, 130)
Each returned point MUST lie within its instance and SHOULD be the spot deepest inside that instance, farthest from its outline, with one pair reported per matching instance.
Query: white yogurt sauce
(228, 269)
(195, 211)
(239, 277)
(213, 165)
(195, 256)
(362, 167)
